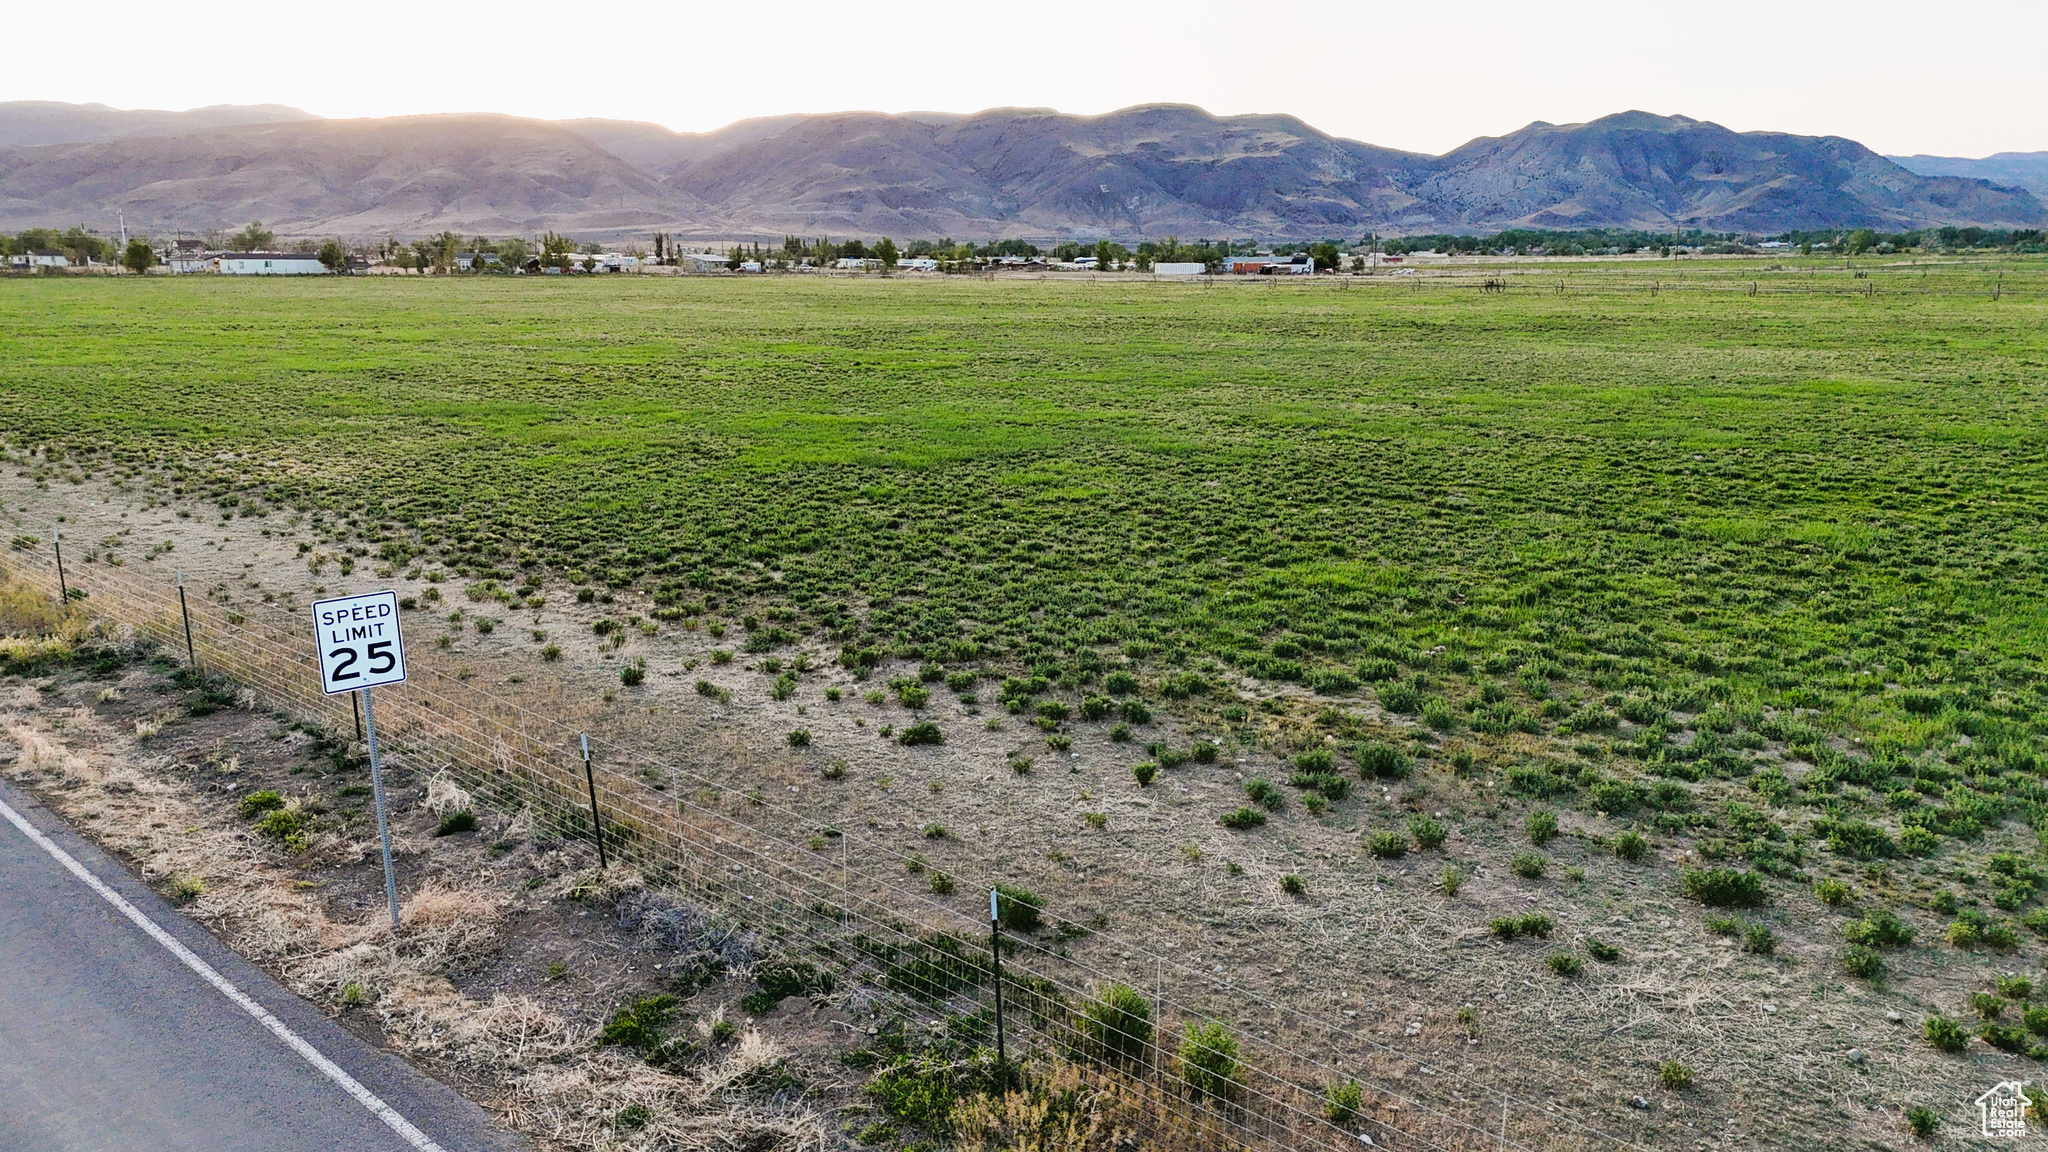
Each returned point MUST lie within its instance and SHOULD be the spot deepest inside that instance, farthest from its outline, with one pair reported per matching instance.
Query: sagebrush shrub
(1602, 951)
(1116, 1026)
(1862, 961)
(1293, 885)
(1341, 1102)
(1428, 832)
(1725, 888)
(1387, 845)
(1265, 793)
(1563, 964)
(1541, 826)
(1243, 818)
(1209, 1063)
(1530, 865)
(1834, 893)
(1144, 770)
(1880, 929)
(1945, 1034)
(1378, 760)
(1631, 846)
(1676, 1076)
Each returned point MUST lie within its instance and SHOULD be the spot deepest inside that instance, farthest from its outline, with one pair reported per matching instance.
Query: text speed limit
(359, 644)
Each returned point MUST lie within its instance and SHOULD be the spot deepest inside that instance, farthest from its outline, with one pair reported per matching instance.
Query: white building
(702, 261)
(857, 263)
(918, 264)
(1179, 269)
(40, 258)
(271, 264)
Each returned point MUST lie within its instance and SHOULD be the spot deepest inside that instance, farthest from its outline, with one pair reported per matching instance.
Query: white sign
(358, 639)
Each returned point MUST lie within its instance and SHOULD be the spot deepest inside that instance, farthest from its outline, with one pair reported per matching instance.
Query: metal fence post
(995, 953)
(191, 653)
(63, 589)
(596, 822)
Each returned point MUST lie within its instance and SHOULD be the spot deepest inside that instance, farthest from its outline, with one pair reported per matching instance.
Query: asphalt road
(109, 1042)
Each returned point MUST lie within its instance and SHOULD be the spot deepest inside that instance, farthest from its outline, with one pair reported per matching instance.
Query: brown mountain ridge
(1140, 172)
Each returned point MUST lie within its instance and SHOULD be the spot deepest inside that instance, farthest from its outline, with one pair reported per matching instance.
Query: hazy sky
(1957, 78)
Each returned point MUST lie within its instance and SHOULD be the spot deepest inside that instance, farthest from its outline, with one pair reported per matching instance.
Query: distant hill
(49, 122)
(2027, 170)
(1141, 172)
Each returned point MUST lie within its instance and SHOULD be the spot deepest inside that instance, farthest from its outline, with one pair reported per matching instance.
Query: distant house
(857, 263)
(1179, 269)
(466, 261)
(188, 256)
(40, 258)
(918, 264)
(702, 261)
(1269, 265)
(270, 264)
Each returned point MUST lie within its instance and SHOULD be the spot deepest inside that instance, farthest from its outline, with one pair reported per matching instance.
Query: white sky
(1956, 78)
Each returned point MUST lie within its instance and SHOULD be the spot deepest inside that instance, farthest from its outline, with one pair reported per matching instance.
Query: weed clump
(1262, 792)
(1541, 826)
(1833, 893)
(454, 822)
(1527, 924)
(1529, 865)
(1388, 845)
(1863, 962)
(1562, 964)
(1209, 1063)
(1601, 951)
(1378, 760)
(1879, 929)
(1116, 1026)
(1293, 885)
(1428, 832)
(257, 803)
(1725, 888)
(1675, 1076)
(1945, 1034)
(1144, 771)
(922, 732)
(1631, 846)
(1922, 1121)
(1341, 1102)
(1245, 817)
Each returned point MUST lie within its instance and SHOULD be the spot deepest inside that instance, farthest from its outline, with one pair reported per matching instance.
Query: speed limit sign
(359, 644)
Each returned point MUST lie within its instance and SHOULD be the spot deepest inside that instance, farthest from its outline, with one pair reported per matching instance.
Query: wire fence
(842, 907)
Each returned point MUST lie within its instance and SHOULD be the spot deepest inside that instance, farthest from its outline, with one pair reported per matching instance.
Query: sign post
(360, 649)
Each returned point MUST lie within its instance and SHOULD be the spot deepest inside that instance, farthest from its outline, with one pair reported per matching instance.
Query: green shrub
(1265, 793)
(922, 732)
(1723, 925)
(1631, 846)
(1204, 752)
(1401, 697)
(1945, 1034)
(1450, 879)
(1541, 826)
(285, 824)
(1293, 885)
(1759, 938)
(1116, 1026)
(1429, 833)
(454, 822)
(1209, 1063)
(1563, 964)
(1144, 770)
(632, 674)
(1880, 929)
(1917, 841)
(639, 1025)
(2015, 987)
(1017, 909)
(1438, 714)
(1725, 888)
(1833, 893)
(1120, 734)
(1378, 760)
(942, 884)
(1922, 1121)
(257, 803)
(1120, 684)
(1387, 845)
(2036, 1019)
(1675, 1076)
(1341, 1102)
(799, 737)
(1603, 952)
(1530, 865)
(1986, 1005)
(1863, 961)
(1527, 924)
(1243, 818)
(1136, 712)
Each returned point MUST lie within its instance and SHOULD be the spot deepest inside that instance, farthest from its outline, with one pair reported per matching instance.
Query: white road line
(363, 1096)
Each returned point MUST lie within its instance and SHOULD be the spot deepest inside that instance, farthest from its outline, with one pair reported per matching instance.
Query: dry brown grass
(553, 1083)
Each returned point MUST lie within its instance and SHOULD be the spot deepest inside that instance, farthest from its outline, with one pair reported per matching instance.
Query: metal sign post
(360, 649)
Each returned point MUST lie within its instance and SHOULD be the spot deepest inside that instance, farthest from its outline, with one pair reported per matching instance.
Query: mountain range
(1146, 171)
(2027, 170)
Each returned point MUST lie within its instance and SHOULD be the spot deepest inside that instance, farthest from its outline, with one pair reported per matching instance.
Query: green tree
(254, 238)
(423, 255)
(1860, 241)
(1325, 255)
(885, 251)
(332, 256)
(1104, 256)
(554, 250)
(139, 257)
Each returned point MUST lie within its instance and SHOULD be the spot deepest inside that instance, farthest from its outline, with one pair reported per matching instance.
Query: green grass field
(1811, 500)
